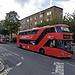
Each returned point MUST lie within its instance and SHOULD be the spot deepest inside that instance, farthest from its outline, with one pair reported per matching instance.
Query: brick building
(46, 15)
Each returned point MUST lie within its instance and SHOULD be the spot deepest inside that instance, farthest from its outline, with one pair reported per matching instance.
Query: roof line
(42, 11)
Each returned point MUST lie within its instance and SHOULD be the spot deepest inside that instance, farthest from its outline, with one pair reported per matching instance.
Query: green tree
(12, 23)
(55, 21)
(40, 24)
(3, 31)
(69, 19)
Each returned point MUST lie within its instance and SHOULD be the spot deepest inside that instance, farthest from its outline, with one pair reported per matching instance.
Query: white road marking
(5, 72)
(22, 58)
(10, 52)
(19, 64)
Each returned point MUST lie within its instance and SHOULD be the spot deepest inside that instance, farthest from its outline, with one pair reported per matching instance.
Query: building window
(20, 27)
(35, 18)
(35, 23)
(47, 19)
(31, 19)
(41, 21)
(49, 13)
(27, 20)
(41, 15)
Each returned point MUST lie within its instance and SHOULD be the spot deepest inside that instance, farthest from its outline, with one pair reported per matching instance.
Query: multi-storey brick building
(31, 21)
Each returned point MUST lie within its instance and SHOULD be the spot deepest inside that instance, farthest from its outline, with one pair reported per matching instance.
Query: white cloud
(32, 6)
(23, 11)
(69, 6)
(6, 6)
(22, 2)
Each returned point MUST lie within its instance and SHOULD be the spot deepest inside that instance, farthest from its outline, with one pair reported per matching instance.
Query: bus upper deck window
(58, 29)
(21, 33)
(34, 32)
(52, 29)
(65, 29)
(25, 33)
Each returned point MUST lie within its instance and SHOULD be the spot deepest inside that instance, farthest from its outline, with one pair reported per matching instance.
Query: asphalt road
(22, 62)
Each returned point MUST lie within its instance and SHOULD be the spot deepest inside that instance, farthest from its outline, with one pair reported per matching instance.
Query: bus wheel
(41, 51)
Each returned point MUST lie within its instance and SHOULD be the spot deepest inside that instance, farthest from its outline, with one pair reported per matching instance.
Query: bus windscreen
(62, 29)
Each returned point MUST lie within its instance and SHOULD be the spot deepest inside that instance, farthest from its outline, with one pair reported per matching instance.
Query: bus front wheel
(41, 51)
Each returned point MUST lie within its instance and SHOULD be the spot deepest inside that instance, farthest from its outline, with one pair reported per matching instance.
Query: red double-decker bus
(49, 40)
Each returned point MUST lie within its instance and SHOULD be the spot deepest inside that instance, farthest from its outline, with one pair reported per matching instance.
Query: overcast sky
(27, 7)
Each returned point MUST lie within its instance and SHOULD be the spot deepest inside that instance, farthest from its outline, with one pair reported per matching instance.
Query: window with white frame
(35, 23)
(28, 20)
(47, 19)
(35, 18)
(41, 15)
(41, 21)
(49, 13)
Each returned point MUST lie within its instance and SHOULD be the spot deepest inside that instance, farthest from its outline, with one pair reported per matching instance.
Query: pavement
(22, 62)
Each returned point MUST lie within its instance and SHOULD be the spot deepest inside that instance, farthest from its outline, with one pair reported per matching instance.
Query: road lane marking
(19, 64)
(22, 58)
(12, 53)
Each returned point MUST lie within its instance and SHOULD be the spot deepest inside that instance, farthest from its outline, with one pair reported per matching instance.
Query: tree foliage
(69, 19)
(3, 31)
(40, 24)
(12, 23)
(51, 22)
